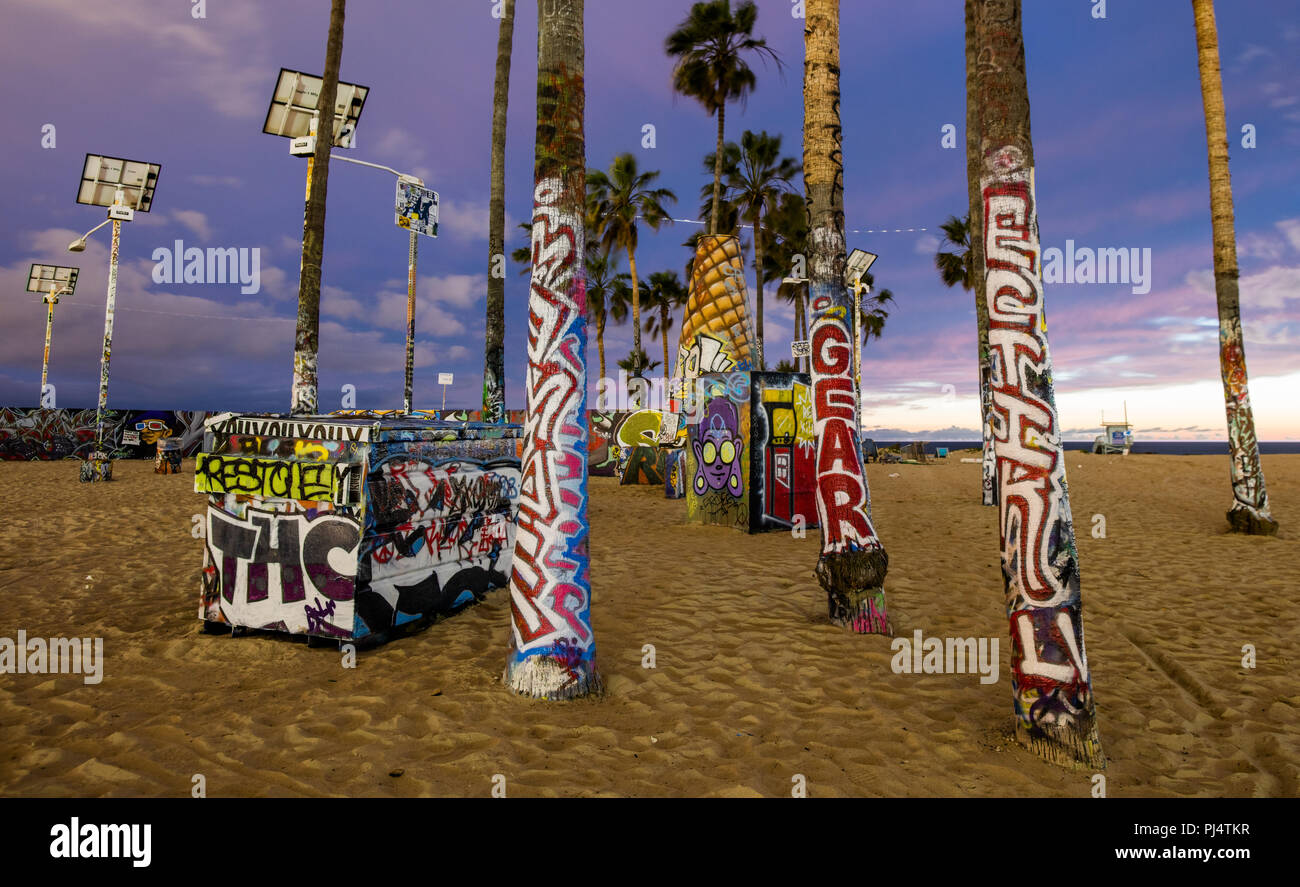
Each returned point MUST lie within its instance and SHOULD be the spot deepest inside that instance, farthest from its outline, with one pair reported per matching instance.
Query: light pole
(100, 176)
(61, 280)
(416, 209)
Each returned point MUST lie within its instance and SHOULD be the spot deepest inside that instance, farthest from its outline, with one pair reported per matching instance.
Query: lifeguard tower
(1115, 437)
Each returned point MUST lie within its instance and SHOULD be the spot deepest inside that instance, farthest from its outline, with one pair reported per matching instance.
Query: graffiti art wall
(782, 452)
(36, 433)
(353, 527)
(717, 460)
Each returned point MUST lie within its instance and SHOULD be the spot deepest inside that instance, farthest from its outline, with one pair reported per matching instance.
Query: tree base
(1251, 522)
(1077, 746)
(549, 677)
(854, 585)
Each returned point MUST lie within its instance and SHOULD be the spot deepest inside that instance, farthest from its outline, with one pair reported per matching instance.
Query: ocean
(1152, 447)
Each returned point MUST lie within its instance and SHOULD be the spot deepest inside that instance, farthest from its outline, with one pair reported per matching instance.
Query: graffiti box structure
(749, 461)
(354, 528)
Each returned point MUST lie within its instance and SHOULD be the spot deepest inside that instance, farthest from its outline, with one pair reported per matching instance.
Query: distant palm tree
(637, 363)
(754, 185)
(710, 46)
(602, 277)
(306, 342)
(785, 236)
(786, 366)
(964, 268)
(494, 368)
(1250, 511)
(667, 295)
(617, 200)
(874, 310)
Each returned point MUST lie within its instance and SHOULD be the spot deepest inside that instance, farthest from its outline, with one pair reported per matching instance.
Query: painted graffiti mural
(289, 569)
(439, 536)
(1250, 498)
(783, 445)
(70, 434)
(716, 463)
(274, 478)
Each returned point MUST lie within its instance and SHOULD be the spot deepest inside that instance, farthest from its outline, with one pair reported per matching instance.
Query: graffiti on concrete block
(783, 461)
(717, 462)
(273, 478)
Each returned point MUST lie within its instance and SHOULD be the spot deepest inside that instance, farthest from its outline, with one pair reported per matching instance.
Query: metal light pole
(51, 300)
(51, 281)
(110, 307)
(412, 253)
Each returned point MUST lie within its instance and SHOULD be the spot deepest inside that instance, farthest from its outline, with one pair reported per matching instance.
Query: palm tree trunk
(853, 562)
(306, 341)
(975, 280)
(552, 649)
(1250, 511)
(663, 329)
(717, 172)
(801, 327)
(494, 370)
(600, 343)
(758, 275)
(636, 305)
(1056, 715)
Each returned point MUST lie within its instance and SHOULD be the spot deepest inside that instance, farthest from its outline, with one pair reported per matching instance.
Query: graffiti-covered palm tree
(853, 563)
(552, 648)
(754, 184)
(667, 296)
(306, 341)
(711, 47)
(494, 383)
(1250, 511)
(1056, 715)
(618, 200)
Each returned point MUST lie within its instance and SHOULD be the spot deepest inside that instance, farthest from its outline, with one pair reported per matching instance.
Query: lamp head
(77, 245)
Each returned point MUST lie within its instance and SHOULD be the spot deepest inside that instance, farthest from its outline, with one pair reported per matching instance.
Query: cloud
(195, 221)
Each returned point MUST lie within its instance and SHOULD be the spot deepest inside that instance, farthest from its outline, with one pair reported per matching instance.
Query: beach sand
(752, 685)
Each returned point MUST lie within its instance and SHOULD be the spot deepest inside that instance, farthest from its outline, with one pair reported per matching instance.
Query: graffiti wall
(782, 452)
(439, 535)
(717, 457)
(35, 433)
(363, 528)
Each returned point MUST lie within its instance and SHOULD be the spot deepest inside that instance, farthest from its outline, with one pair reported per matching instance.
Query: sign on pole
(416, 209)
(802, 348)
(444, 378)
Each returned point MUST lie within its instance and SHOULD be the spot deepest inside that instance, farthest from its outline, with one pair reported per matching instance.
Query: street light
(54, 281)
(123, 186)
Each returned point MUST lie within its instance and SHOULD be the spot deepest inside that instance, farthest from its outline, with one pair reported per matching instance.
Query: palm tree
(637, 363)
(617, 200)
(1056, 715)
(602, 277)
(710, 46)
(1250, 511)
(785, 236)
(754, 184)
(853, 562)
(549, 656)
(306, 342)
(667, 295)
(494, 368)
(964, 268)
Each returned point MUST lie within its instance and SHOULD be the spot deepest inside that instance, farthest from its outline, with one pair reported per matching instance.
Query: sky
(1119, 141)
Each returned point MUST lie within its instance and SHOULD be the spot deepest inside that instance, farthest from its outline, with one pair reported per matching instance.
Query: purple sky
(1118, 133)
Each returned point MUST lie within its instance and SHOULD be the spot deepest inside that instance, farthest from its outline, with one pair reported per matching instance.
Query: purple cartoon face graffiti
(718, 448)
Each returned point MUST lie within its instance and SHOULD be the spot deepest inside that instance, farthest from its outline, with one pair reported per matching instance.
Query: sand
(752, 685)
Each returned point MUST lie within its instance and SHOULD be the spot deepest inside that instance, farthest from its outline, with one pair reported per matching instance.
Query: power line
(178, 314)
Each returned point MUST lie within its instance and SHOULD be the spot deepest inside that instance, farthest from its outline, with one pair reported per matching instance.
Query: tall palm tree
(785, 236)
(602, 277)
(710, 46)
(306, 340)
(552, 648)
(667, 295)
(960, 268)
(754, 184)
(1056, 715)
(618, 200)
(975, 226)
(1250, 511)
(494, 368)
(853, 563)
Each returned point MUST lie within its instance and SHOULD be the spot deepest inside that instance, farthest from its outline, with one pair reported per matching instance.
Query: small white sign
(444, 378)
(802, 348)
(131, 438)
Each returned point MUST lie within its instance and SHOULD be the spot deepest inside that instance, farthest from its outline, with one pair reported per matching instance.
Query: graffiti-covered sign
(802, 348)
(416, 208)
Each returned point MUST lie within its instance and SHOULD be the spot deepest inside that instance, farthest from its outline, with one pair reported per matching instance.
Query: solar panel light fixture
(124, 186)
(860, 261)
(52, 280)
(294, 110)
